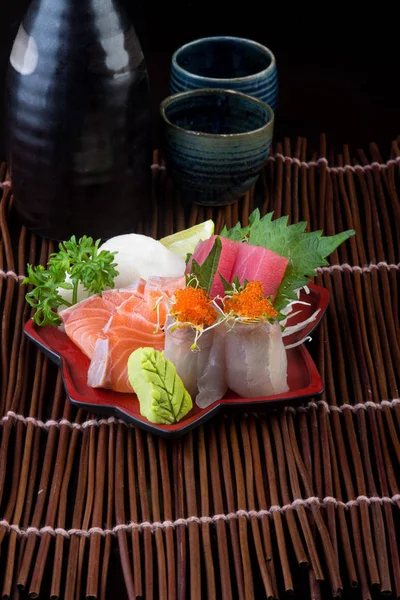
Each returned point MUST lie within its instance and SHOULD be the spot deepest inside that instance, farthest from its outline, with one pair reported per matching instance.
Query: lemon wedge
(184, 242)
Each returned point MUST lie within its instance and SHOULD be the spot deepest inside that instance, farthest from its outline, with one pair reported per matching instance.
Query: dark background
(339, 71)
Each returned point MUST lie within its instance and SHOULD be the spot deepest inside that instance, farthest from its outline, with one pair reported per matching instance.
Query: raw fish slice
(226, 262)
(212, 384)
(188, 363)
(255, 263)
(277, 367)
(158, 295)
(129, 306)
(162, 286)
(245, 261)
(136, 323)
(137, 287)
(99, 369)
(256, 363)
(84, 322)
(108, 368)
(127, 330)
(141, 315)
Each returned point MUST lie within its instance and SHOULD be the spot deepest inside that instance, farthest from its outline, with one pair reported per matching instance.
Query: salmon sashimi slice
(109, 365)
(137, 287)
(166, 287)
(134, 324)
(84, 322)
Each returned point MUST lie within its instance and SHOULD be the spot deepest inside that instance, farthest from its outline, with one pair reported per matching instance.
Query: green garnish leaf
(305, 251)
(234, 287)
(83, 263)
(203, 275)
(239, 233)
(228, 287)
(254, 218)
(236, 234)
(172, 399)
(44, 297)
(161, 393)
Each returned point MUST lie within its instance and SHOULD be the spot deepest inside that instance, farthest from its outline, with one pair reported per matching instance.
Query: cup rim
(216, 92)
(264, 49)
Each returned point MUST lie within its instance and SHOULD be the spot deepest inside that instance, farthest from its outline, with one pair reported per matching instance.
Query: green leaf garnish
(45, 297)
(236, 234)
(234, 287)
(160, 390)
(172, 398)
(305, 251)
(84, 264)
(239, 233)
(203, 275)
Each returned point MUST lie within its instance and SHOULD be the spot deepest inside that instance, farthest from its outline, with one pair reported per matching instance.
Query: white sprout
(290, 316)
(157, 308)
(299, 326)
(195, 279)
(288, 311)
(308, 338)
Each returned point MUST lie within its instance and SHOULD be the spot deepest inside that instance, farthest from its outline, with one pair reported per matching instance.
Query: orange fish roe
(250, 303)
(194, 306)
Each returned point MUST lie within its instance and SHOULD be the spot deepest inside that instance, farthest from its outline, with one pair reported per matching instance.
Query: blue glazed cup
(216, 142)
(226, 62)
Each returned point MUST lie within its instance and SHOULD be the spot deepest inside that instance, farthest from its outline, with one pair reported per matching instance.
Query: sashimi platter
(165, 333)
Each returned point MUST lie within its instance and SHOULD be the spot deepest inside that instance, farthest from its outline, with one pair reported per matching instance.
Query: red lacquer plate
(303, 377)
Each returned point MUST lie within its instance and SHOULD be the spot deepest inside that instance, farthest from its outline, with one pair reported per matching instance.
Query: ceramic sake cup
(226, 62)
(215, 142)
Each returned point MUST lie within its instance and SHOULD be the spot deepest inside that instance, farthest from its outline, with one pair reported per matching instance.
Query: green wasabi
(161, 393)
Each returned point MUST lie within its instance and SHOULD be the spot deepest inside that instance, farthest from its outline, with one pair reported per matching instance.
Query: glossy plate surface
(303, 377)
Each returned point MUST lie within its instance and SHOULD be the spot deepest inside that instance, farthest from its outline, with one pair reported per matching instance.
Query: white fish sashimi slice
(212, 385)
(247, 350)
(178, 349)
(256, 363)
(277, 366)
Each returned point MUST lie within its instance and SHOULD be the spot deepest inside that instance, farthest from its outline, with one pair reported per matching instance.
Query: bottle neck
(105, 18)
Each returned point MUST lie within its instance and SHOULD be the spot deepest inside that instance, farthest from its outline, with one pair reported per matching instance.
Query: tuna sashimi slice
(226, 263)
(84, 322)
(256, 263)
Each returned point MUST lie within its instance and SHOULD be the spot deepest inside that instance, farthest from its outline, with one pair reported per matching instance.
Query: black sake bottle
(78, 129)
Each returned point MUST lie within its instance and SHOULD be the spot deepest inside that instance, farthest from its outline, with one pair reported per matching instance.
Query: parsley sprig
(83, 262)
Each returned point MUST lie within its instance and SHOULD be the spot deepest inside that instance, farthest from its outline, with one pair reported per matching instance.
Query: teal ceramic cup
(215, 142)
(226, 62)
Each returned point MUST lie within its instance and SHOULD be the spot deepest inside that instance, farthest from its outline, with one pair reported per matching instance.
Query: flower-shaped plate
(303, 377)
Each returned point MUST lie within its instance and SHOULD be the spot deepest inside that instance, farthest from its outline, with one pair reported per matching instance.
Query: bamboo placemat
(249, 506)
